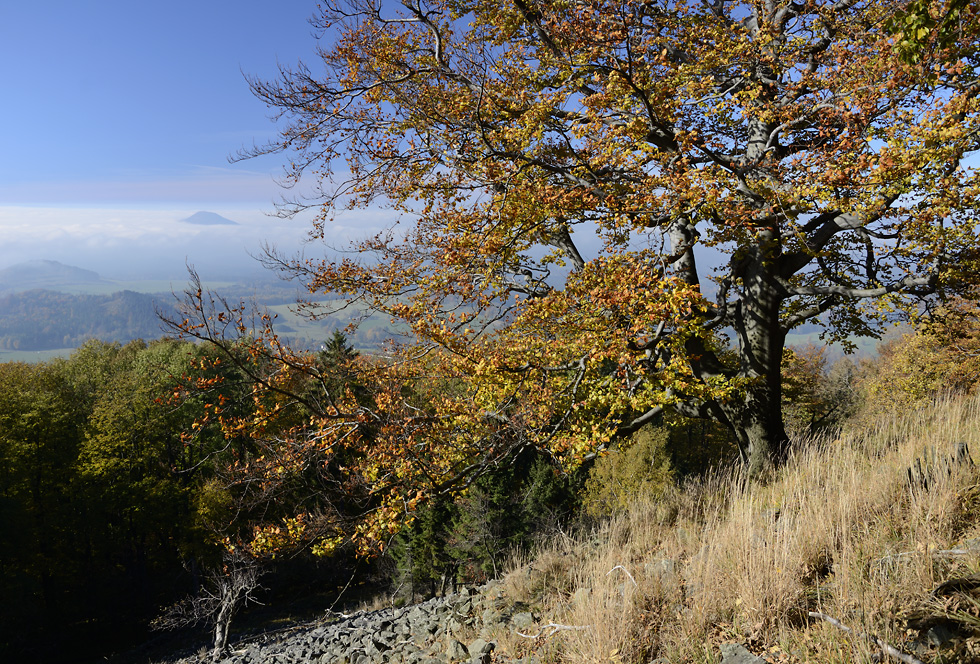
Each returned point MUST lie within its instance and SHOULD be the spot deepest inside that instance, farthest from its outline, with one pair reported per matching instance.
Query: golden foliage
(940, 356)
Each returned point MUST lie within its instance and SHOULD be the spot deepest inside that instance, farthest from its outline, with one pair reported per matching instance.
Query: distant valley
(48, 308)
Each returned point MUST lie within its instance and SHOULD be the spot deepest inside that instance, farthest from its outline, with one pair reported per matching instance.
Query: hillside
(44, 319)
(875, 531)
(863, 548)
(46, 274)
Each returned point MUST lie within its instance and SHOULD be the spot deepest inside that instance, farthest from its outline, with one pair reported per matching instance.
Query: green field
(371, 332)
(32, 356)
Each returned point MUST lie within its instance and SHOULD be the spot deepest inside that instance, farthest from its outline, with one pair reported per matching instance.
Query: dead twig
(891, 651)
(894, 559)
(555, 628)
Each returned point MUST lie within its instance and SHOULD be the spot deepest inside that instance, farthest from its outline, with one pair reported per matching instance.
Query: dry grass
(839, 530)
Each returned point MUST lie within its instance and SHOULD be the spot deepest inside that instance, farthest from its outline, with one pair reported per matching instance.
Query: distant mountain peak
(43, 267)
(208, 219)
(45, 264)
(40, 273)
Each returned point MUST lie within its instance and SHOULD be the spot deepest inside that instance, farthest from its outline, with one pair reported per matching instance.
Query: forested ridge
(45, 319)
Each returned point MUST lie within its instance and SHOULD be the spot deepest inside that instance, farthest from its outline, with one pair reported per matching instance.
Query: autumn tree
(816, 397)
(608, 208)
(939, 358)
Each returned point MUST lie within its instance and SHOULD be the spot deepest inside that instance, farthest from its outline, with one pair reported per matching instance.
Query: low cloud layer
(155, 244)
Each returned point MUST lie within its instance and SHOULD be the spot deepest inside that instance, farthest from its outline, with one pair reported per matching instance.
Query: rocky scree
(443, 630)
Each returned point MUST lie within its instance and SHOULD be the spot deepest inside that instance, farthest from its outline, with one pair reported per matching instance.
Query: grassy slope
(839, 531)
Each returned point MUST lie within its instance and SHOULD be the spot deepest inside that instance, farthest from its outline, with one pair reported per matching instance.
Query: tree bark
(756, 418)
(759, 430)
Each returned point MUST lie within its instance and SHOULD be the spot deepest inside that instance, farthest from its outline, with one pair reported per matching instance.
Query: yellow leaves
(326, 546)
(269, 539)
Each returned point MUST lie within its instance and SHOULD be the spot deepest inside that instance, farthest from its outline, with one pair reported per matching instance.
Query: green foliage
(41, 319)
(508, 510)
(472, 538)
(640, 468)
(337, 370)
(39, 439)
(696, 445)
(423, 561)
(490, 524)
(102, 498)
(922, 27)
(336, 352)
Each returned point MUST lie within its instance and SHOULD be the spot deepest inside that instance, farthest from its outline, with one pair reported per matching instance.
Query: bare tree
(225, 590)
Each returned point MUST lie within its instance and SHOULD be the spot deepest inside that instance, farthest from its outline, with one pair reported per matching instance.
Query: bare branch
(889, 650)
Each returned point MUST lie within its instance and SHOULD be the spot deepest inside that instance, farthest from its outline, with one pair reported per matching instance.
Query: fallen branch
(941, 553)
(885, 648)
(555, 628)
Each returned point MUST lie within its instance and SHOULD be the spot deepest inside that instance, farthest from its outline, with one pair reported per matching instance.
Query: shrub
(942, 355)
(640, 468)
(816, 398)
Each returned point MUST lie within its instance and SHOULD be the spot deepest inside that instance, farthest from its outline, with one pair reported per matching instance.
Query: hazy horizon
(152, 244)
(122, 125)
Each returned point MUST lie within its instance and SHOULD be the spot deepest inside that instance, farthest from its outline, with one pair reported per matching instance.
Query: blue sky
(118, 118)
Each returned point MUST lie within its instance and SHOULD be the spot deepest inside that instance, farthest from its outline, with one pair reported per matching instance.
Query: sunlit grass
(839, 531)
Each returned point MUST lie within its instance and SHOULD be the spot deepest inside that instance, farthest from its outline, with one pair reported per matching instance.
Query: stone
(663, 570)
(417, 634)
(480, 647)
(491, 617)
(735, 653)
(456, 651)
(522, 620)
(939, 636)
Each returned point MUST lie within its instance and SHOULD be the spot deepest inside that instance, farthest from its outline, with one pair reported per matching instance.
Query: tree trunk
(222, 622)
(757, 418)
(759, 430)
